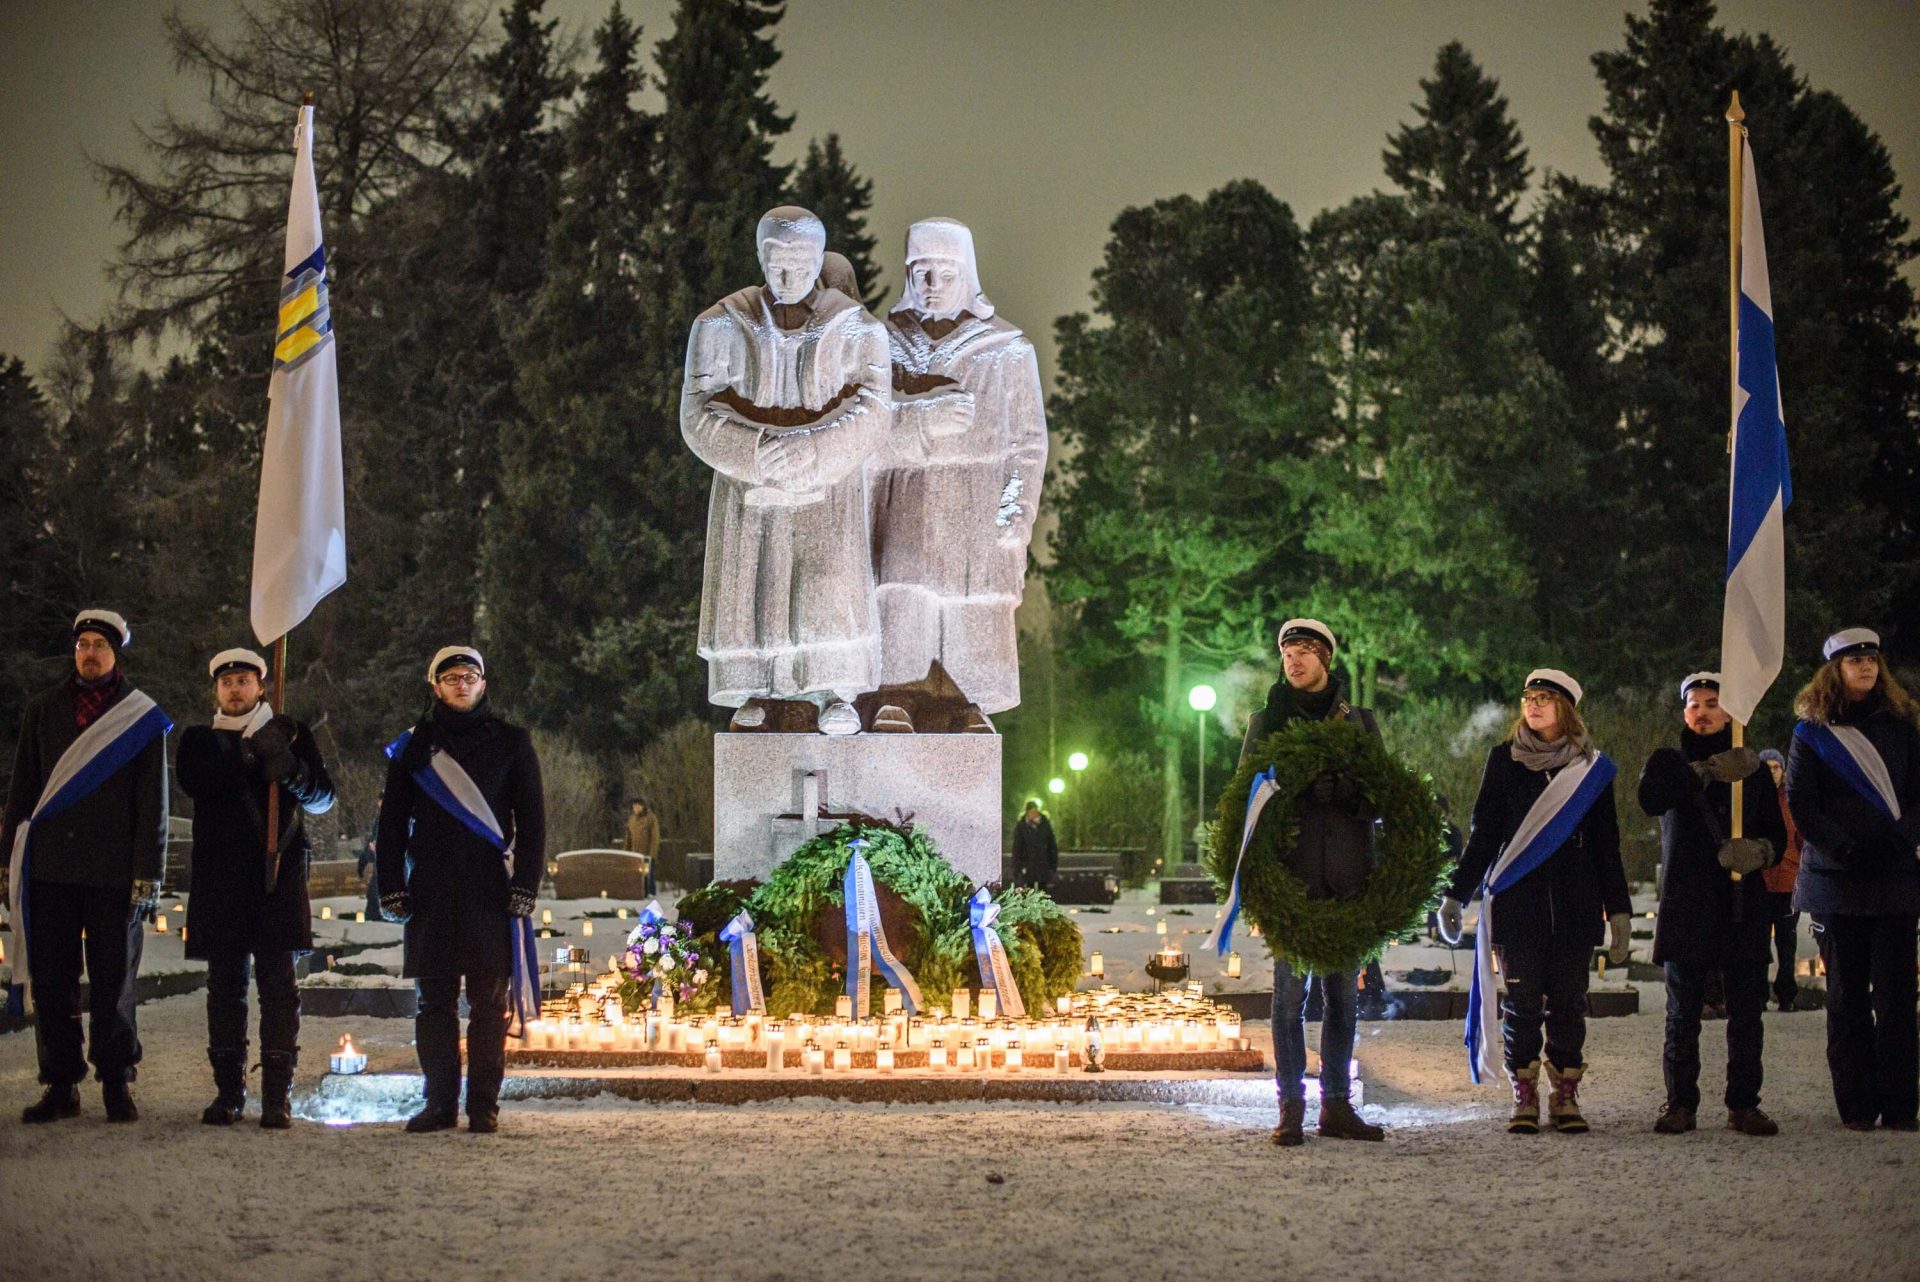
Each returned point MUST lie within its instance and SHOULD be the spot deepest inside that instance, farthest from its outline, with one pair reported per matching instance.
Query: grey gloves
(1727, 767)
(1746, 854)
(1619, 937)
(270, 750)
(1450, 924)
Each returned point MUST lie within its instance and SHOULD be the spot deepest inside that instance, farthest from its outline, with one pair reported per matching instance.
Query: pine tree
(1845, 334)
(1466, 151)
(828, 184)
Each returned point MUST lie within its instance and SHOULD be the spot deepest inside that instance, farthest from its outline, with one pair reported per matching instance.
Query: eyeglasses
(461, 678)
(1536, 699)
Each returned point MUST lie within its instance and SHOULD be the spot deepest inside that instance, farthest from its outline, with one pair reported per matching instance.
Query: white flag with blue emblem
(300, 531)
(1754, 624)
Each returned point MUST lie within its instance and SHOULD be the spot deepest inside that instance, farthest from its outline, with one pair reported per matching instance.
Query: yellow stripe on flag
(299, 307)
(295, 344)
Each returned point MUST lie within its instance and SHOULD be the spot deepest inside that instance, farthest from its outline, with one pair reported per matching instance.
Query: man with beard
(1714, 912)
(461, 849)
(248, 908)
(86, 840)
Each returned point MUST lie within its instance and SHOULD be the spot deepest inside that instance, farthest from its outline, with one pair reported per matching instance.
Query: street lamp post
(1077, 763)
(1201, 699)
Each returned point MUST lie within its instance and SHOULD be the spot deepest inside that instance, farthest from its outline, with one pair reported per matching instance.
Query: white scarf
(247, 723)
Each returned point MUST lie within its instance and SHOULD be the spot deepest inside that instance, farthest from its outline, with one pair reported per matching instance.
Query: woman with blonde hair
(1853, 787)
(1544, 848)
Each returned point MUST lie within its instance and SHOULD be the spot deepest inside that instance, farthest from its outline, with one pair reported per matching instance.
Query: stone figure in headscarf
(787, 393)
(956, 489)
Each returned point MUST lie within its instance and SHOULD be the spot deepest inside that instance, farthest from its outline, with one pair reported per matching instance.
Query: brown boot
(1525, 1118)
(1563, 1106)
(1338, 1121)
(1674, 1119)
(1293, 1113)
(1751, 1121)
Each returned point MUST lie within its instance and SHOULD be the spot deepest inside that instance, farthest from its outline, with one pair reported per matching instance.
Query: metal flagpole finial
(306, 100)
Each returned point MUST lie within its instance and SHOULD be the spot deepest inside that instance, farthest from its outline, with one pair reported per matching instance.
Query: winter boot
(276, 1089)
(1293, 1113)
(1751, 1121)
(1338, 1121)
(230, 1087)
(55, 1103)
(1563, 1106)
(1525, 1118)
(1674, 1119)
(119, 1102)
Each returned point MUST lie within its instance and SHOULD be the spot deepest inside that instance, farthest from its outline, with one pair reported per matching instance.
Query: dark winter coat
(1705, 916)
(1333, 853)
(458, 882)
(1036, 853)
(111, 837)
(1853, 859)
(229, 910)
(1568, 898)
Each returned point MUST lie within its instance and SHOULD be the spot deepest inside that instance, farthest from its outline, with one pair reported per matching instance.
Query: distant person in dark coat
(1853, 784)
(86, 873)
(236, 920)
(1036, 854)
(1715, 913)
(643, 835)
(456, 892)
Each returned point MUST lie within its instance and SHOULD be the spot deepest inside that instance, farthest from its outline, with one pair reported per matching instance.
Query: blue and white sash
(867, 940)
(1258, 796)
(991, 954)
(743, 948)
(1548, 823)
(448, 783)
(1852, 756)
(120, 734)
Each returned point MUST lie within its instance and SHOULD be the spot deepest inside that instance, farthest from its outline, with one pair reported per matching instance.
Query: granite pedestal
(772, 792)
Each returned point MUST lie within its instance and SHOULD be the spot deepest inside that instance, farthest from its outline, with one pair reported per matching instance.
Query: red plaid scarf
(90, 701)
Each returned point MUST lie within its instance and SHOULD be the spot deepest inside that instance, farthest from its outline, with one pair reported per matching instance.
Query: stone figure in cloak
(787, 393)
(956, 489)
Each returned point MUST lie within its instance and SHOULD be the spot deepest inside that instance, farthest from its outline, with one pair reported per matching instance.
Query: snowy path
(601, 1189)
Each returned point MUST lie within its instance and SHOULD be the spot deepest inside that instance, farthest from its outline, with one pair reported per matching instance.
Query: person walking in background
(1715, 913)
(1853, 787)
(1779, 880)
(1036, 853)
(643, 834)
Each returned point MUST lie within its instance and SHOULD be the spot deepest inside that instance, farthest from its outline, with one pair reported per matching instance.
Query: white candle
(676, 1035)
(842, 1057)
(816, 1059)
(983, 1054)
(1064, 1003)
(883, 1057)
(160, 924)
(1014, 1056)
(713, 1057)
(937, 1054)
(621, 913)
(360, 916)
(1233, 965)
(843, 1006)
(1060, 1059)
(963, 1055)
(962, 1002)
(776, 1040)
(1160, 927)
(890, 1001)
(586, 928)
(989, 1003)
(1097, 965)
(326, 912)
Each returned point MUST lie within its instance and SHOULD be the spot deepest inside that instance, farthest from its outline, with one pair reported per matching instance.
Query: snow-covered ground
(608, 1189)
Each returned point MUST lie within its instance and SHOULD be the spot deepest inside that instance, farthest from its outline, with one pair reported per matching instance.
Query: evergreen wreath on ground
(1411, 861)
(924, 905)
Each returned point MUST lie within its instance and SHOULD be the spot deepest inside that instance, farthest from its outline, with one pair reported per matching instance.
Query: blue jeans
(1338, 998)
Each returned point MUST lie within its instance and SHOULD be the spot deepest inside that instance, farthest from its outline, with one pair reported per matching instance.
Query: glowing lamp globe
(1202, 698)
(1056, 786)
(1078, 761)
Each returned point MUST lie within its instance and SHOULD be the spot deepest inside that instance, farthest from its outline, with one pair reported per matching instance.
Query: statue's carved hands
(788, 461)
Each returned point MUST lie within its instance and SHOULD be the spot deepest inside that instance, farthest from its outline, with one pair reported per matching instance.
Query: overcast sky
(1033, 122)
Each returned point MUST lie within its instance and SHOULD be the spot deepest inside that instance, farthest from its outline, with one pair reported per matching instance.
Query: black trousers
(1744, 984)
(436, 1036)
(58, 915)
(1786, 942)
(1546, 984)
(1873, 1048)
(227, 975)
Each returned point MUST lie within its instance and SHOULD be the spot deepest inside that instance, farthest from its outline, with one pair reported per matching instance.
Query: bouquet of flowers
(666, 956)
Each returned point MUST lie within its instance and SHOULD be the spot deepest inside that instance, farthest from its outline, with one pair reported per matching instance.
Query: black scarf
(450, 728)
(1284, 703)
(1698, 747)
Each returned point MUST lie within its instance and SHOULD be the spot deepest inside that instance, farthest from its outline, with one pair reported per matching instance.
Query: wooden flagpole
(1736, 143)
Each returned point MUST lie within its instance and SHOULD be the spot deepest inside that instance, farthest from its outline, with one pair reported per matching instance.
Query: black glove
(1348, 795)
(1727, 767)
(1747, 854)
(397, 906)
(519, 902)
(270, 750)
(1323, 787)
